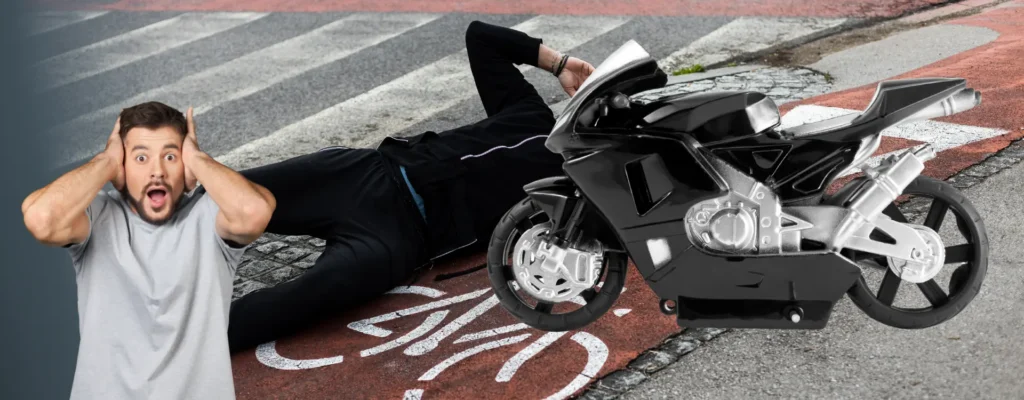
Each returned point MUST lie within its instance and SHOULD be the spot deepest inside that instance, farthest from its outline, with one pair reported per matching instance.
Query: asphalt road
(976, 355)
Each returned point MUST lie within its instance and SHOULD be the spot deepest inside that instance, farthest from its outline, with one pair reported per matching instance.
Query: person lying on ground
(388, 212)
(154, 260)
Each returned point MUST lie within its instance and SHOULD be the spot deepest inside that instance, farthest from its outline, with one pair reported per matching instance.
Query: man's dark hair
(152, 115)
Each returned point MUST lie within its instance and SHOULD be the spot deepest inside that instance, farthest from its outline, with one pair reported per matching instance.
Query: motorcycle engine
(724, 225)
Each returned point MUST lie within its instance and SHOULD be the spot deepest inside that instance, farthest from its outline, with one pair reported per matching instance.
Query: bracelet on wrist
(561, 65)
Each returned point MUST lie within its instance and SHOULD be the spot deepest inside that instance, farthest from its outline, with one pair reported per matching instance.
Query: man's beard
(141, 212)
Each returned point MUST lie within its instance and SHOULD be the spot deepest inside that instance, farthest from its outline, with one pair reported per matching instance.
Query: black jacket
(470, 176)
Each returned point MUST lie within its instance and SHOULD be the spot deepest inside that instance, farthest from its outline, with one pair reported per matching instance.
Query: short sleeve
(209, 210)
(95, 212)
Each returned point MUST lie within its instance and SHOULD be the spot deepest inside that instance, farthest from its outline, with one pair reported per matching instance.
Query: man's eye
(140, 158)
(170, 157)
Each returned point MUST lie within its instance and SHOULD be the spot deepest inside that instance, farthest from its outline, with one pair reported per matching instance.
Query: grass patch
(828, 78)
(689, 70)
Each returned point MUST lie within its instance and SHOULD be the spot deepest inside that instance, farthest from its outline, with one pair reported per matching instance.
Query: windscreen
(625, 57)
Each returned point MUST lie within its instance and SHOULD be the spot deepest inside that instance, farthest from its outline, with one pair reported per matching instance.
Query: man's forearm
(237, 197)
(548, 58)
(53, 209)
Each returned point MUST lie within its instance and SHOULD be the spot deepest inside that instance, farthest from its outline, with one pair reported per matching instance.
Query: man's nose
(157, 170)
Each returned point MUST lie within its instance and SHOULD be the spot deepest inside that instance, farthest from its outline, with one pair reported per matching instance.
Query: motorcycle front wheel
(582, 310)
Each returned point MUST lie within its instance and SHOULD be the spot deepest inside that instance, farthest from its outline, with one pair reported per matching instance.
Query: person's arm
(245, 207)
(493, 53)
(573, 73)
(56, 214)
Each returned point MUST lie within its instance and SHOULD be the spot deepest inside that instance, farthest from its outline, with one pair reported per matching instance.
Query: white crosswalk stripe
(414, 97)
(136, 45)
(46, 21)
(261, 69)
(404, 101)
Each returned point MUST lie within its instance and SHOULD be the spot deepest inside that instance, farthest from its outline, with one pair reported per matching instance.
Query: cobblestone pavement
(274, 259)
(782, 84)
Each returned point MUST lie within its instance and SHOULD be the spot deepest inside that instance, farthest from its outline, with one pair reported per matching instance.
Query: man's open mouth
(157, 196)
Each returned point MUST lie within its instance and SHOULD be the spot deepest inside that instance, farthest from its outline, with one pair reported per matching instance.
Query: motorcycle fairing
(709, 290)
(643, 167)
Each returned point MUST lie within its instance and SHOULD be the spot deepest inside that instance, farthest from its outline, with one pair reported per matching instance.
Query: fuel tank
(713, 116)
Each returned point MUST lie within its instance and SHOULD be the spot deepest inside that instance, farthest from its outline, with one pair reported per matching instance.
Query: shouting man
(386, 212)
(154, 265)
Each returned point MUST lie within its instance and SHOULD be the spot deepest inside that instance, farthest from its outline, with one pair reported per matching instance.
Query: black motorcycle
(727, 217)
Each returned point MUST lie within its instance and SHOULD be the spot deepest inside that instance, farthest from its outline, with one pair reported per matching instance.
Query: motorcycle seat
(894, 101)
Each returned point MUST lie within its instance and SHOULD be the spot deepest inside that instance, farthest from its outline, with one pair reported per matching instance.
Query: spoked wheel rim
(934, 204)
(533, 311)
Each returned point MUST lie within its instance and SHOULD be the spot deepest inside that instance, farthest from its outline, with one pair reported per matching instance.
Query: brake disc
(926, 262)
(552, 273)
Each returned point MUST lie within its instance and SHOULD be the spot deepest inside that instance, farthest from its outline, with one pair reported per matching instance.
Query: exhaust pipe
(961, 101)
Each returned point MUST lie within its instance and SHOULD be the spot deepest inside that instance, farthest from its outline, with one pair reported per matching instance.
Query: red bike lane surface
(807, 8)
(524, 363)
(995, 69)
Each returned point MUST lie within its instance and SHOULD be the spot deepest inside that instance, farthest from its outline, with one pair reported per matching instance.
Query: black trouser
(353, 199)
(349, 198)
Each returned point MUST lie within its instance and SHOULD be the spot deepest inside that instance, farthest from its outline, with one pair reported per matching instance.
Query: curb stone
(670, 351)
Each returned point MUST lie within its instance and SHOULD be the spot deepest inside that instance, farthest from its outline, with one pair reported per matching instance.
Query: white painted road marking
(367, 325)
(597, 354)
(420, 290)
(136, 45)
(431, 342)
(267, 354)
(258, 70)
(492, 332)
(407, 100)
(430, 323)
(45, 21)
(597, 351)
(512, 365)
(462, 355)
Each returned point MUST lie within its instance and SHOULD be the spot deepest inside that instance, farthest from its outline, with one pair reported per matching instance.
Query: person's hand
(576, 72)
(189, 149)
(115, 151)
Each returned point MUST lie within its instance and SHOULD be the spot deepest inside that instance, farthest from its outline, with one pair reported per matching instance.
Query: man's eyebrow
(139, 147)
(170, 146)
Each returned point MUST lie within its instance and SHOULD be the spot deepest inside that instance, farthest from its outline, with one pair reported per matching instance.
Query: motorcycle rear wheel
(965, 281)
(520, 218)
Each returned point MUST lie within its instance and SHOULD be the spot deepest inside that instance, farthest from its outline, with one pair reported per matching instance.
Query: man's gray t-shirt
(153, 304)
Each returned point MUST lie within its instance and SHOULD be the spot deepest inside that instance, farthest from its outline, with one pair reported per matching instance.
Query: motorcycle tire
(498, 252)
(966, 280)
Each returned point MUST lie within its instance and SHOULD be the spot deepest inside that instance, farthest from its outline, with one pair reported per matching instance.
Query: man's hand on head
(573, 75)
(189, 150)
(115, 151)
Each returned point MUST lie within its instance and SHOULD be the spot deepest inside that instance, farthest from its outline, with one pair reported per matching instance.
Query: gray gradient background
(39, 323)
